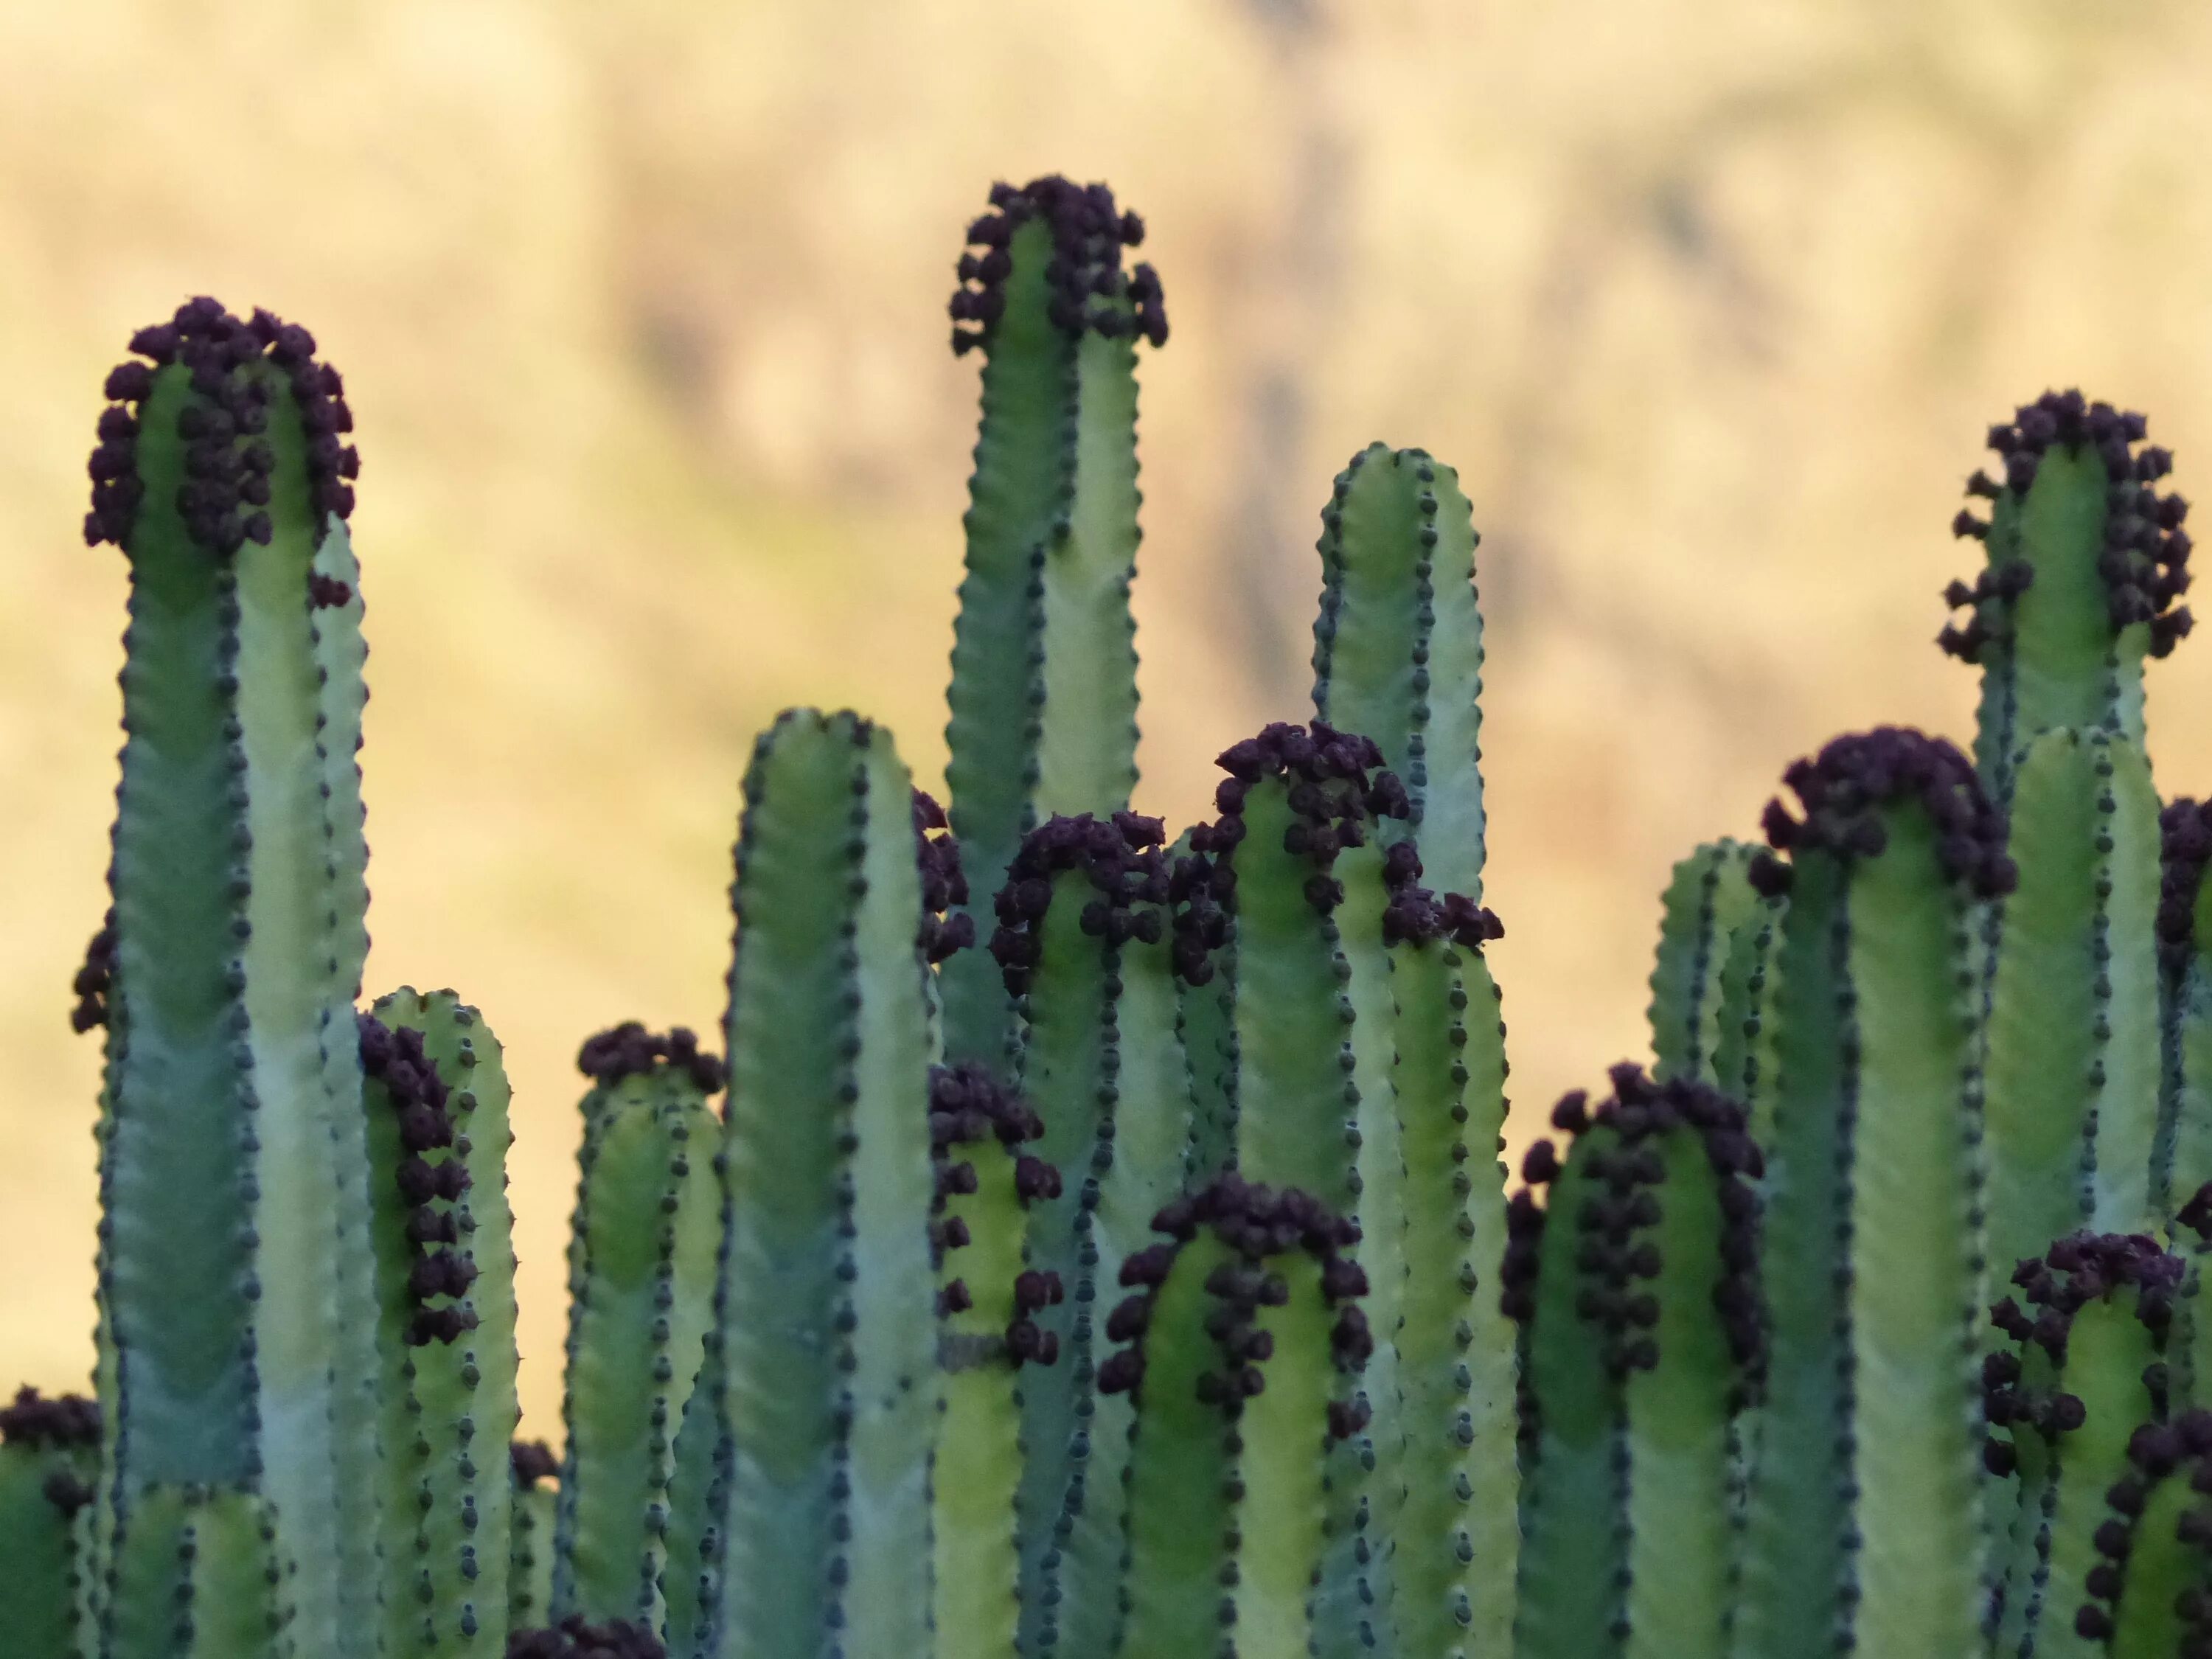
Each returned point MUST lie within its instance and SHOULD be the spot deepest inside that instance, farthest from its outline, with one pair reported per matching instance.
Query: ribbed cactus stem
(536, 1500)
(1205, 1010)
(1865, 1507)
(2182, 1161)
(49, 1458)
(692, 1580)
(1088, 949)
(1243, 1335)
(647, 1239)
(829, 1321)
(197, 1576)
(1744, 1049)
(2147, 1598)
(1044, 698)
(1397, 645)
(1707, 898)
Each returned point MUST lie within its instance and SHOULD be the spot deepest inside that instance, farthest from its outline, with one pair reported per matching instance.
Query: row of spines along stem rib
(828, 1328)
(1043, 694)
(2183, 1159)
(238, 911)
(646, 1238)
(1102, 1058)
(445, 1328)
(1398, 647)
(49, 1458)
(2150, 1596)
(1865, 1514)
(1708, 898)
(534, 1516)
(2073, 1034)
(197, 1576)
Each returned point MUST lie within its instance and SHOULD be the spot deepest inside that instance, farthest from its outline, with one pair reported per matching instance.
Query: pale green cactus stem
(1088, 950)
(2085, 560)
(990, 1299)
(829, 1326)
(237, 918)
(2149, 1597)
(1243, 1339)
(436, 1108)
(1457, 1556)
(1865, 1526)
(1707, 899)
(535, 1504)
(1043, 698)
(198, 1576)
(1647, 1340)
(49, 1458)
(2088, 1368)
(2074, 1042)
(1397, 645)
(1744, 1051)
(646, 1239)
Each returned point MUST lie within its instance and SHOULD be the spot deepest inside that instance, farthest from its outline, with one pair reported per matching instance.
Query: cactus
(887, 1359)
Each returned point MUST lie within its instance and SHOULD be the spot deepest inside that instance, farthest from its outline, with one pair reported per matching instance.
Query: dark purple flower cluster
(1338, 792)
(68, 1420)
(1616, 1254)
(575, 1639)
(628, 1050)
(1121, 858)
(1846, 786)
(533, 1463)
(1418, 916)
(944, 886)
(968, 1107)
(395, 1059)
(236, 368)
(2185, 850)
(94, 984)
(2156, 1452)
(1257, 1223)
(2144, 561)
(1088, 234)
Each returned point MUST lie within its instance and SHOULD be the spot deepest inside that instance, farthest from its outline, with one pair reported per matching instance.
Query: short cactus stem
(2147, 1598)
(1044, 698)
(49, 1460)
(536, 1473)
(1709, 896)
(196, 1576)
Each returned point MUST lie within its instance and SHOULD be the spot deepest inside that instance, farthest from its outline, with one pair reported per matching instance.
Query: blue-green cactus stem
(1085, 942)
(2072, 1025)
(829, 1322)
(2088, 1369)
(49, 1458)
(2183, 1160)
(2150, 1597)
(648, 1234)
(2086, 557)
(1708, 897)
(1865, 1514)
(992, 1301)
(198, 1576)
(1744, 1049)
(436, 1108)
(1660, 1259)
(536, 1473)
(691, 1582)
(1397, 645)
(1044, 698)
(1459, 1542)
(219, 467)
(1243, 1334)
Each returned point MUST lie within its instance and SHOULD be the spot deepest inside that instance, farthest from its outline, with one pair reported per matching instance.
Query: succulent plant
(1090, 1242)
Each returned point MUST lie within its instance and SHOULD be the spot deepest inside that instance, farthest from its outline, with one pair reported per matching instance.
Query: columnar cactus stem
(2073, 1026)
(1085, 943)
(692, 1580)
(197, 1577)
(48, 1458)
(1708, 897)
(2183, 1161)
(2085, 560)
(648, 1236)
(1397, 645)
(237, 918)
(829, 1324)
(1865, 1512)
(1744, 1050)
(1044, 698)
(1241, 1332)
(530, 1557)
(2147, 1599)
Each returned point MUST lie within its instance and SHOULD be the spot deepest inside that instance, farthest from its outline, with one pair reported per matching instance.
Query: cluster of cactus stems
(1090, 1242)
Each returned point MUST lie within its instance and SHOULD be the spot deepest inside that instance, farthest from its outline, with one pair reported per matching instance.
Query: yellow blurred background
(642, 310)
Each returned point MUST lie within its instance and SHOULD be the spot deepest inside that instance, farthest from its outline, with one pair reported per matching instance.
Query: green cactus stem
(536, 1473)
(1709, 896)
(990, 1299)
(436, 1104)
(232, 1120)
(1634, 1392)
(1089, 948)
(2147, 1598)
(2183, 1160)
(829, 1327)
(1744, 1049)
(2087, 1369)
(2086, 558)
(647, 1235)
(1864, 1522)
(1044, 698)
(1397, 645)
(1457, 1555)
(1241, 1332)
(49, 1458)
(2073, 1063)
(197, 1577)
(692, 1581)
(1206, 1015)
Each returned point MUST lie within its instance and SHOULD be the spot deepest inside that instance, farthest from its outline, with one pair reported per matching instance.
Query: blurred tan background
(642, 310)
